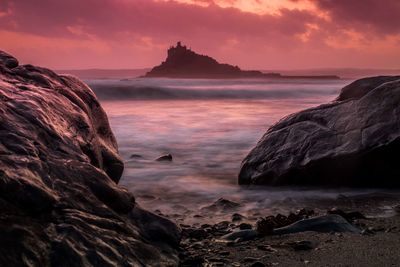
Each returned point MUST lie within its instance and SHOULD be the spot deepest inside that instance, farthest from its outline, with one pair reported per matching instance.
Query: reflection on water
(207, 138)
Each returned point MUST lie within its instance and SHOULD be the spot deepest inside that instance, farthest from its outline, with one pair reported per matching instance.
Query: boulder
(60, 202)
(353, 141)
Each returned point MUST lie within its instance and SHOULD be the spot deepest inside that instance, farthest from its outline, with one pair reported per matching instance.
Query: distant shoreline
(343, 73)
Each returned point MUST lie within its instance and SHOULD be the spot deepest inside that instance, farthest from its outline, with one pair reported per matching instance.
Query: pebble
(266, 248)
(257, 264)
(166, 157)
(236, 217)
(302, 245)
(244, 226)
(224, 253)
(249, 259)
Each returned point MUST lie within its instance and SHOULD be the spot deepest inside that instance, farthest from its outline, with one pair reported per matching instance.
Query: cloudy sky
(254, 34)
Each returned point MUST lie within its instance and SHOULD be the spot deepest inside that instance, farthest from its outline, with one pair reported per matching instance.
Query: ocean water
(208, 126)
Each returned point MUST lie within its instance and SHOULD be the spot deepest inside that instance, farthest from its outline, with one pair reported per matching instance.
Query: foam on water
(208, 126)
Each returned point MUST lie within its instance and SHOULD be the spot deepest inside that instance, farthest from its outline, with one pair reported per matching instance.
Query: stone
(224, 253)
(241, 235)
(194, 233)
(249, 259)
(244, 226)
(257, 264)
(236, 217)
(302, 245)
(353, 141)
(60, 201)
(222, 204)
(349, 216)
(193, 261)
(323, 224)
(166, 157)
(135, 156)
(266, 248)
(265, 227)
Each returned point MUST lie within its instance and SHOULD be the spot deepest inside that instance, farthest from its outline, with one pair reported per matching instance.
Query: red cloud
(135, 33)
(382, 17)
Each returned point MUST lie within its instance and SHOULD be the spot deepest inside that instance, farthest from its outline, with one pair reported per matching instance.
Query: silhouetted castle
(182, 62)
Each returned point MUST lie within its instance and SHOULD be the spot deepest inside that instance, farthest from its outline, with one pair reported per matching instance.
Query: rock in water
(353, 141)
(241, 235)
(60, 203)
(167, 157)
(322, 224)
(222, 204)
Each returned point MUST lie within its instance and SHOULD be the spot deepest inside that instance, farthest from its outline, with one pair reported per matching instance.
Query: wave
(140, 92)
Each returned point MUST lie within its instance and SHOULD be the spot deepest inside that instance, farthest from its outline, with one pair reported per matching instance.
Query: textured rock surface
(60, 204)
(353, 141)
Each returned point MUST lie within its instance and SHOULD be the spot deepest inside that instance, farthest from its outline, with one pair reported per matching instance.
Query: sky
(253, 34)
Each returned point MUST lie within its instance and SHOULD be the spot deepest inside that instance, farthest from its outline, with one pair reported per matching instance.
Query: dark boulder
(352, 142)
(60, 204)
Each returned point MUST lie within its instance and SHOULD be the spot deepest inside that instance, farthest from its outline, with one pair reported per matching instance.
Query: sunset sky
(254, 34)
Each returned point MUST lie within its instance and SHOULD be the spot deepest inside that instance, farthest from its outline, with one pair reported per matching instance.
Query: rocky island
(182, 62)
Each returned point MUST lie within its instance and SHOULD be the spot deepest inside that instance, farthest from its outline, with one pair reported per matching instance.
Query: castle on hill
(182, 62)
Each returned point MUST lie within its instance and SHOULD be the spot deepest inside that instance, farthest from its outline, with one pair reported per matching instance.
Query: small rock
(197, 234)
(167, 157)
(349, 216)
(266, 248)
(241, 235)
(135, 156)
(197, 245)
(244, 226)
(193, 261)
(236, 217)
(222, 204)
(368, 231)
(221, 225)
(216, 259)
(264, 227)
(302, 245)
(257, 264)
(230, 244)
(249, 259)
(224, 253)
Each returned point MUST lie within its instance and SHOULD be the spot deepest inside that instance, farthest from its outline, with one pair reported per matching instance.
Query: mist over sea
(208, 126)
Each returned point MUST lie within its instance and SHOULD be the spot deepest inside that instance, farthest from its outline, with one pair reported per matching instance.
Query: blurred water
(208, 126)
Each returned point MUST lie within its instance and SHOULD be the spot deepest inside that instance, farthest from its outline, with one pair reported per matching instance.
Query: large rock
(353, 141)
(60, 204)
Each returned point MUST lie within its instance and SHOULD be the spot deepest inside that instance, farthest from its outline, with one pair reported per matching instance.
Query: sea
(208, 126)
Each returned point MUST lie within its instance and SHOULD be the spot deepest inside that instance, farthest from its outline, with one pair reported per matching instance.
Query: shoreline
(201, 244)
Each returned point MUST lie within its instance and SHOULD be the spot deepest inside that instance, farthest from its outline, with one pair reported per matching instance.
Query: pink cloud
(381, 17)
(136, 33)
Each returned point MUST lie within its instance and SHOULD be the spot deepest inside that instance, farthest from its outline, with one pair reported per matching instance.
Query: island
(182, 62)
